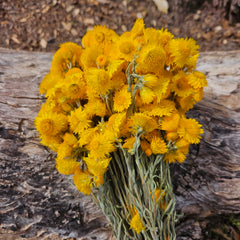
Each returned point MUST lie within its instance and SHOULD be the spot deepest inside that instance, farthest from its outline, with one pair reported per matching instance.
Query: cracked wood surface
(38, 203)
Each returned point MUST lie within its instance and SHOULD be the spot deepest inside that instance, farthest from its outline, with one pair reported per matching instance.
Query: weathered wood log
(39, 203)
(207, 185)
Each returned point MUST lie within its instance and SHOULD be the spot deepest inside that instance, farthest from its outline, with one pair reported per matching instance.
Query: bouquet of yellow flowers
(115, 114)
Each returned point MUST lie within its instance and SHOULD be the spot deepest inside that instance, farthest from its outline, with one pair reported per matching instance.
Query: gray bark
(39, 203)
(207, 184)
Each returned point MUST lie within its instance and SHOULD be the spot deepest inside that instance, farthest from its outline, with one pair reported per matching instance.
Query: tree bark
(39, 203)
(207, 184)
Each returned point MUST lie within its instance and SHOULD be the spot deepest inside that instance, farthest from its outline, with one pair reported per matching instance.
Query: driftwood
(39, 203)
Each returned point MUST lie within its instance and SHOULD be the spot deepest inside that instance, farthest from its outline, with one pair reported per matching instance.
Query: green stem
(131, 181)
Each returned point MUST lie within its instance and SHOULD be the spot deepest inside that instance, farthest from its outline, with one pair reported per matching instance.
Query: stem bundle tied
(143, 187)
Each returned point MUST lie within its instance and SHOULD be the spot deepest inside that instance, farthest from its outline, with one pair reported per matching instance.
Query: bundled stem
(132, 182)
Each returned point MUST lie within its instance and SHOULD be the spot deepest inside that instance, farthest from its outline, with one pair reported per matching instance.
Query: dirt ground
(43, 25)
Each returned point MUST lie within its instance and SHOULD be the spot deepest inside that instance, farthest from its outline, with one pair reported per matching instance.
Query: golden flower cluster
(114, 90)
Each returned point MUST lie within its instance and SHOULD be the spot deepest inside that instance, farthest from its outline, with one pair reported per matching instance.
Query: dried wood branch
(39, 203)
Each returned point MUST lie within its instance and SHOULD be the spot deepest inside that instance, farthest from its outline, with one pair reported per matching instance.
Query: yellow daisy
(99, 180)
(147, 95)
(142, 122)
(183, 145)
(198, 95)
(96, 108)
(180, 85)
(79, 120)
(197, 80)
(162, 87)
(66, 166)
(98, 36)
(116, 123)
(115, 68)
(56, 94)
(184, 52)
(100, 145)
(86, 136)
(145, 146)
(89, 57)
(190, 130)
(52, 142)
(97, 166)
(151, 59)
(66, 58)
(64, 107)
(92, 94)
(101, 61)
(129, 144)
(127, 48)
(151, 80)
(159, 37)
(173, 156)
(170, 123)
(72, 71)
(82, 181)
(171, 136)
(49, 123)
(119, 79)
(178, 153)
(122, 99)
(158, 146)
(99, 80)
(186, 103)
(136, 223)
(70, 139)
(47, 83)
(164, 108)
(74, 86)
(64, 151)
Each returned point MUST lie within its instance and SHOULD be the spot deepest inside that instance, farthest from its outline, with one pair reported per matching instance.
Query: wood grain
(39, 203)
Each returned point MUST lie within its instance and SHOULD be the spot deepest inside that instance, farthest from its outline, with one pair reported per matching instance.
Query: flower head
(158, 146)
(183, 52)
(99, 36)
(82, 181)
(67, 166)
(180, 85)
(50, 124)
(190, 130)
(142, 122)
(99, 80)
(151, 59)
(75, 86)
(170, 123)
(197, 80)
(127, 48)
(160, 37)
(101, 144)
(79, 120)
(65, 58)
(177, 152)
(97, 166)
(136, 223)
(122, 99)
